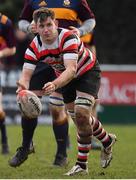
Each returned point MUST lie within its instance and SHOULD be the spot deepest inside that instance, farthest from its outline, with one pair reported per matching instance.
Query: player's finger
(46, 86)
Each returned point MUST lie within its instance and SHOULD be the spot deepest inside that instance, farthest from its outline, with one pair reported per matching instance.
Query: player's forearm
(7, 52)
(26, 77)
(87, 26)
(64, 78)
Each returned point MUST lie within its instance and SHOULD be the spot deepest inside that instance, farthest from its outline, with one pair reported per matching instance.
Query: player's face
(47, 30)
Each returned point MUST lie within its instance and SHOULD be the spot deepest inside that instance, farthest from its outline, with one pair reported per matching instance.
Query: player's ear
(56, 23)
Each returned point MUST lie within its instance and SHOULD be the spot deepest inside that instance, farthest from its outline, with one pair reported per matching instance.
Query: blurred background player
(68, 14)
(22, 41)
(7, 48)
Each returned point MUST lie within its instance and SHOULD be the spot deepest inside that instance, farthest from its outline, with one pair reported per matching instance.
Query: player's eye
(41, 26)
(49, 24)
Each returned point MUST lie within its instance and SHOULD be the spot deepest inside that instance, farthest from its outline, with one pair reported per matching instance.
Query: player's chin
(48, 37)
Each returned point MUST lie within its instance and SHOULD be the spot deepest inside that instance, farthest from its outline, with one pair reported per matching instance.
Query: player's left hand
(49, 88)
(75, 30)
(32, 28)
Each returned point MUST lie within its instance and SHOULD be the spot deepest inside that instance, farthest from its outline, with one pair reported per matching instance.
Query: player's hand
(1, 54)
(21, 86)
(75, 30)
(32, 28)
(49, 88)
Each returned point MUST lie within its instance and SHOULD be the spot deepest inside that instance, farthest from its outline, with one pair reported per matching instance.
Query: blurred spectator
(22, 41)
(7, 48)
(7, 41)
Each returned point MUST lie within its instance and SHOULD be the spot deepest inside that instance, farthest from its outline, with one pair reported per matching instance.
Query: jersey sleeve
(70, 47)
(31, 54)
(27, 11)
(84, 11)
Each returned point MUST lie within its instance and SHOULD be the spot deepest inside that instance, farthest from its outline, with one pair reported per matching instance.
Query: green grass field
(39, 165)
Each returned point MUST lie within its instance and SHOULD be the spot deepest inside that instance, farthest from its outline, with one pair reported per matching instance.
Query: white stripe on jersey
(29, 66)
(70, 56)
(61, 35)
(69, 42)
(82, 67)
(90, 60)
(82, 58)
(30, 53)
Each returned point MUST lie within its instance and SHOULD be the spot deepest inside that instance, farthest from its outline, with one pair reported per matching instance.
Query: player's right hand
(21, 86)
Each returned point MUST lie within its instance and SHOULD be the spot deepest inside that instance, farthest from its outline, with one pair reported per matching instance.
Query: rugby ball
(29, 104)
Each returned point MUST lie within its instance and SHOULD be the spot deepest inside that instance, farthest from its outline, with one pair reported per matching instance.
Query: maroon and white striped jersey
(66, 47)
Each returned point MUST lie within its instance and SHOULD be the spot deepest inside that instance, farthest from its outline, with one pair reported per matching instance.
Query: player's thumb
(20, 85)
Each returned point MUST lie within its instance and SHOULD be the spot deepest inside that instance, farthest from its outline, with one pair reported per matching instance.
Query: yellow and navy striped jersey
(6, 32)
(68, 12)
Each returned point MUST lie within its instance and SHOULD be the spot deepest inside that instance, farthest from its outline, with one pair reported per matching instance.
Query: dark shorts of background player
(87, 83)
(42, 74)
(0, 84)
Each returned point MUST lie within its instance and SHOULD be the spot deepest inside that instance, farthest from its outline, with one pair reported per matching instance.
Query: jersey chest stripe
(82, 59)
(72, 47)
(31, 53)
(28, 57)
(65, 13)
(68, 43)
(80, 54)
(66, 37)
(44, 53)
(49, 51)
(63, 38)
(35, 49)
(86, 66)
